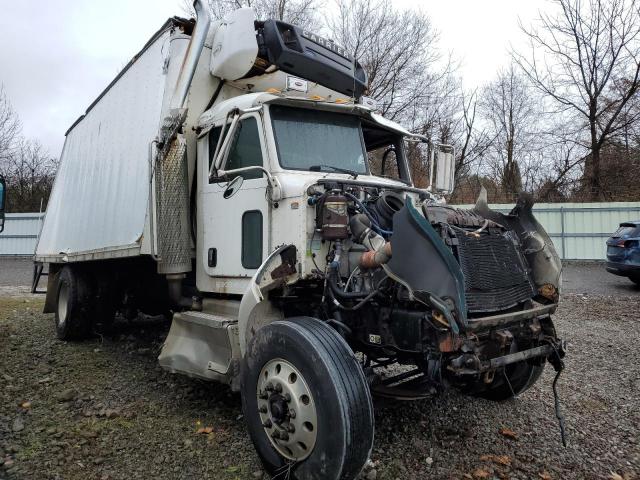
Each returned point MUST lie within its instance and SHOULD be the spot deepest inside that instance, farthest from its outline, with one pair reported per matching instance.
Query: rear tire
(73, 297)
(106, 301)
(314, 359)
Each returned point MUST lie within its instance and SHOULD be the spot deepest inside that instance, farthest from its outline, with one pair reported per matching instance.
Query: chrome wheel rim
(63, 301)
(287, 409)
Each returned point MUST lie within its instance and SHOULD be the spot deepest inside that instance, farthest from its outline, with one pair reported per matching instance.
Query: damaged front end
(495, 279)
(454, 298)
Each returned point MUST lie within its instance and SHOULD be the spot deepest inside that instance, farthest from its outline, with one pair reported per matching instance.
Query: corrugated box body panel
(101, 193)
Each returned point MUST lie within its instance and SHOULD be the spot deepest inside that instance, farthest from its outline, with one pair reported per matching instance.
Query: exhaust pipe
(172, 189)
(174, 287)
(198, 36)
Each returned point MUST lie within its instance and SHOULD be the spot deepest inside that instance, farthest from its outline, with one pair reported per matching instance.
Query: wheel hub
(287, 409)
(279, 409)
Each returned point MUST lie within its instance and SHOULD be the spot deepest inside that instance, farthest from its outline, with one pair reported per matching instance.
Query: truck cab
(280, 148)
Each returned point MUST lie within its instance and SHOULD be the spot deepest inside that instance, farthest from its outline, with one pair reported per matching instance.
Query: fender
(255, 310)
(545, 263)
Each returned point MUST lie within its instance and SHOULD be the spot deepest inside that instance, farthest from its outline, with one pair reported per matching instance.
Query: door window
(252, 239)
(246, 150)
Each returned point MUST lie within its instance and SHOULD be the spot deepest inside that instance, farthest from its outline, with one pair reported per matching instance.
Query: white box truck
(234, 177)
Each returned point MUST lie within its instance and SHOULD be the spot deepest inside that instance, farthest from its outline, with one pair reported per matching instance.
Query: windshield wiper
(318, 168)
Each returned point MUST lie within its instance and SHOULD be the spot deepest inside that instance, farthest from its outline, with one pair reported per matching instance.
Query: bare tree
(509, 111)
(302, 13)
(29, 172)
(9, 127)
(588, 52)
(471, 140)
(24, 164)
(397, 49)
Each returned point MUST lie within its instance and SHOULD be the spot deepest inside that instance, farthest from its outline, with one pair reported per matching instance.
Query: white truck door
(235, 228)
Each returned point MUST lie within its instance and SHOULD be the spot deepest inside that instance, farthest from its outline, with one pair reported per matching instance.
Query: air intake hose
(379, 250)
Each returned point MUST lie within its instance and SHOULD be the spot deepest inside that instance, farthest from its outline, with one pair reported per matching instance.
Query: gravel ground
(592, 278)
(103, 409)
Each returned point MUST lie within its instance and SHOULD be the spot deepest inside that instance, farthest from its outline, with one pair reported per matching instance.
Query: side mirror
(443, 168)
(3, 197)
(233, 186)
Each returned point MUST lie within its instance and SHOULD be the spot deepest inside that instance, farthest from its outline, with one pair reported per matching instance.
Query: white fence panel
(20, 234)
(579, 230)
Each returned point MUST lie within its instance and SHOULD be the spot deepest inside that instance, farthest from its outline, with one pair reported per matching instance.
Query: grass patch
(14, 305)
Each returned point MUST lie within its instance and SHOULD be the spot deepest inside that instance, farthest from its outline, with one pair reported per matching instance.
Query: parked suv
(623, 251)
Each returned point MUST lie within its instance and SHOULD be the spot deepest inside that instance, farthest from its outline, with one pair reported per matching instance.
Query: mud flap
(538, 248)
(422, 262)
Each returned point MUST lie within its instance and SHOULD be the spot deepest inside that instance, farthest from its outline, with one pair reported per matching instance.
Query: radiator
(496, 276)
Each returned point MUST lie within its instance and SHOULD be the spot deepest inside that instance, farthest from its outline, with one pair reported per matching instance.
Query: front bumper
(505, 319)
(491, 343)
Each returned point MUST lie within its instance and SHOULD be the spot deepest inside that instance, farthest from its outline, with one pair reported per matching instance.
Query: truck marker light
(297, 84)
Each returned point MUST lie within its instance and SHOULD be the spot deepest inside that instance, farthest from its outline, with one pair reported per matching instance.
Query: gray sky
(57, 56)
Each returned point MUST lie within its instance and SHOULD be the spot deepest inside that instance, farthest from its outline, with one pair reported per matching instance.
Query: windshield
(317, 140)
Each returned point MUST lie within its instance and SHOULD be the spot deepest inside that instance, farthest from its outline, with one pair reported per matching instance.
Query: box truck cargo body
(99, 207)
(235, 178)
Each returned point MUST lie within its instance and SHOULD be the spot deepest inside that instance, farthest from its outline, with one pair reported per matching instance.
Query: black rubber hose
(359, 224)
(215, 95)
(361, 303)
(332, 281)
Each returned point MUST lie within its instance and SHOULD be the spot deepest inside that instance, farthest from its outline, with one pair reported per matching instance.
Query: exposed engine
(448, 291)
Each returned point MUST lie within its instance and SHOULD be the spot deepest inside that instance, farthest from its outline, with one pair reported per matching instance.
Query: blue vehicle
(623, 251)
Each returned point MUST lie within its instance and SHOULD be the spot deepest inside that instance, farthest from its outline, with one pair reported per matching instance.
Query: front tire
(301, 380)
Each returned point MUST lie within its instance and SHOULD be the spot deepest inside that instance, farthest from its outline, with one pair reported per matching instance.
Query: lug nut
(275, 434)
(292, 413)
(291, 428)
(287, 397)
(284, 436)
(263, 395)
(263, 409)
(269, 387)
(267, 423)
(278, 388)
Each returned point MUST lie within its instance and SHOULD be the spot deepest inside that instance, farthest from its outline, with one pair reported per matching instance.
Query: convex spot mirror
(3, 197)
(233, 186)
(445, 169)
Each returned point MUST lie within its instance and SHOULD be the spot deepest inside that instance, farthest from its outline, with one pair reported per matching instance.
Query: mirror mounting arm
(274, 185)
(223, 147)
